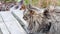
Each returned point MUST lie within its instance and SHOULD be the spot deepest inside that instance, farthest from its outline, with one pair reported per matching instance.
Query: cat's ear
(31, 12)
(51, 9)
(21, 2)
(29, 6)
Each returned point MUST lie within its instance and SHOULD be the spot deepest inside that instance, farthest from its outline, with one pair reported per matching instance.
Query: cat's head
(38, 21)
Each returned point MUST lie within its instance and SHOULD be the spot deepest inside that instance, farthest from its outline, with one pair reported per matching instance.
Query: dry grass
(43, 3)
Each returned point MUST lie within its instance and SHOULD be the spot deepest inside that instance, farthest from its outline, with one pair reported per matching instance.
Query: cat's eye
(25, 18)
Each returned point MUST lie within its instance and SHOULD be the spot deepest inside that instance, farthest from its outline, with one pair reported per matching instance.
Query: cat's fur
(38, 22)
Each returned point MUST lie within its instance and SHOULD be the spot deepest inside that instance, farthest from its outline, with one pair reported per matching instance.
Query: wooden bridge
(10, 23)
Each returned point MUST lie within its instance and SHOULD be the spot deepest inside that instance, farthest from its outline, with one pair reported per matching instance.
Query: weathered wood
(3, 29)
(12, 24)
(19, 16)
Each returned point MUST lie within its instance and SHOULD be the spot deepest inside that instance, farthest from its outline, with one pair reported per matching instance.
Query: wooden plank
(12, 24)
(19, 16)
(3, 29)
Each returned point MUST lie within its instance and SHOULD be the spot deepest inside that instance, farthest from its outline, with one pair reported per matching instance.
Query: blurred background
(5, 4)
(36, 2)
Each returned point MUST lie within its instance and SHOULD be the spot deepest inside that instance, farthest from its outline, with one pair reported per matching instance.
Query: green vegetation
(44, 3)
(35, 2)
(9, 0)
(26, 2)
(58, 3)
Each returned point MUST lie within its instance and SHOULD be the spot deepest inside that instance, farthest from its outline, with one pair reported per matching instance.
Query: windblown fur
(40, 22)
